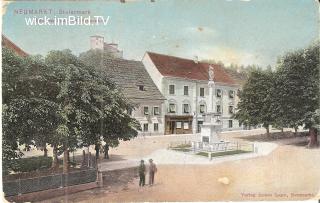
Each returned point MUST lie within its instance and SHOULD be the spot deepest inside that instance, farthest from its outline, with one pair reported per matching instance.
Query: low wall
(19, 187)
(46, 194)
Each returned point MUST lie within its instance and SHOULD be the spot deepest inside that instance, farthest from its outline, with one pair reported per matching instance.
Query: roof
(128, 75)
(10, 45)
(189, 69)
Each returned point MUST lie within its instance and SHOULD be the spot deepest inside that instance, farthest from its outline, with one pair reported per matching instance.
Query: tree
(297, 90)
(59, 101)
(94, 57)
(90, 104)
(255, 100)
(116, 124)
(29, 114)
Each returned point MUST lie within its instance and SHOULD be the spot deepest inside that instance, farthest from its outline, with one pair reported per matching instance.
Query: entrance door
(199, 126)
(172, 127)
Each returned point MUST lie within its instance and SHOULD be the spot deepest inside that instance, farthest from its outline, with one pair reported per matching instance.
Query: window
(230, 123)
(186, 108)
(156, 110)
(172, 108)
(219, 93)
(231, 94)
(186, 125)
(145, 127)
(218, 109)
(146, 110)
(178, 124)
(141, 87)
(201, 92)
(155, 127)
(185, 90)
(171, 89)
(202, 108)
(231, 109)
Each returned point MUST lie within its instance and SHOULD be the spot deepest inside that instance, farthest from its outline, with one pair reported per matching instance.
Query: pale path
(164, 156)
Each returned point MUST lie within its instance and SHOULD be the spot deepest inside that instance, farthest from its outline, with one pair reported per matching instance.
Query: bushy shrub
(32, 164)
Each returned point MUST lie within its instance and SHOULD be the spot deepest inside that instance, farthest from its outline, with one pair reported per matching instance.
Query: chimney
(196, 59)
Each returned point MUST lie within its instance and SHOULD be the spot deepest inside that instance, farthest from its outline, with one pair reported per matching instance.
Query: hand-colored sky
(233, 31)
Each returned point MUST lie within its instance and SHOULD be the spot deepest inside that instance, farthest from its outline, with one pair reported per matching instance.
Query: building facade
(184, 84)
(134, 81)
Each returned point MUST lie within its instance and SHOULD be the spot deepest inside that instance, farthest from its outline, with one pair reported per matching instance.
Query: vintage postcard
(160, 100)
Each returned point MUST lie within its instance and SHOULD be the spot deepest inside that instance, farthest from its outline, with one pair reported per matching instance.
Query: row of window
(156, 110)
(201, 91)
(184, 125)
(146, 127)
(202, 108)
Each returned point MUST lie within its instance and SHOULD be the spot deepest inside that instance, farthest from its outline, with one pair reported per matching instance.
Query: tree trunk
(97, 148)
(106, 151)
(268, 131)
(69, 156)
(313, 138)
(84, 160)
(45, 150)
(295, 130)
(55, 162)
(65, 161)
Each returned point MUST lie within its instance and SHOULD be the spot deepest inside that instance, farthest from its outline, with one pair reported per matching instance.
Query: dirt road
(288, 173)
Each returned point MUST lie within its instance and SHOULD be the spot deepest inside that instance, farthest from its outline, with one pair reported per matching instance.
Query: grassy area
(181, 149)
(226, 153)
(245, 147)
(183, 146)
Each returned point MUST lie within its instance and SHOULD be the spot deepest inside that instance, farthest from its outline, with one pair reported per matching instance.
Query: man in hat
(142, 173)
(152, 171)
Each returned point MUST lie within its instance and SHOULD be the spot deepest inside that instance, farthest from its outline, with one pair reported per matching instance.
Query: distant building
(184, 84)
(97, 42)
(136, 84)
(10, 45)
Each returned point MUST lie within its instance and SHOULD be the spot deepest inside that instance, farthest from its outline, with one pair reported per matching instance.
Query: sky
(232, 31)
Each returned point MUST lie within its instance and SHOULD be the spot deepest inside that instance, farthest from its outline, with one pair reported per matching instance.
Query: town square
(160, 101)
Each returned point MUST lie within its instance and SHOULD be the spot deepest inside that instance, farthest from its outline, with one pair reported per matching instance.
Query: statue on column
(211, 73)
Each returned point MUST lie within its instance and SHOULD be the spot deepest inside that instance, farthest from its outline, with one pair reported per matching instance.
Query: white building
(184, 84)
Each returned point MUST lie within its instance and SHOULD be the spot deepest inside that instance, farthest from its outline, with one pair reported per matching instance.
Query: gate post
(99, 178)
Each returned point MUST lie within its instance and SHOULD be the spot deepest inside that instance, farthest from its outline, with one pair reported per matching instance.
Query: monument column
(211, 89)
(210, 128)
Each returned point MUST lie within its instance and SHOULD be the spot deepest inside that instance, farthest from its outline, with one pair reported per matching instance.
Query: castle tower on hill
(97, 42)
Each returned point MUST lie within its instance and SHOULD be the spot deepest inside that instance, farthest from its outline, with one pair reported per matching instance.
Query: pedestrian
(152, 171)
(142, 173)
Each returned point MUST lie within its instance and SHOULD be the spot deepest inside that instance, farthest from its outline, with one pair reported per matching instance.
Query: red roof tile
(10, 45)
(186, 68)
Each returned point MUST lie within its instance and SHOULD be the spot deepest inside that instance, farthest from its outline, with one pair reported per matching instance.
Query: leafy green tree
(29, 114)
(255, 100)
(59, 101)
(94, 57)
(296, 92)
(91, 106)
(116, 124)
